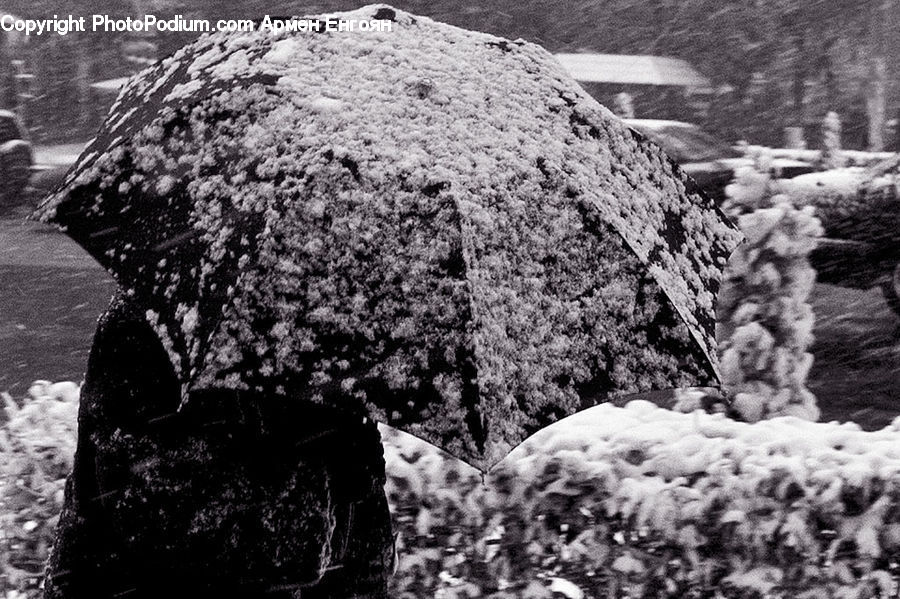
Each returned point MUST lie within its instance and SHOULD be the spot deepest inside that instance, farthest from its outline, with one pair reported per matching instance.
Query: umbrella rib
(471, 392)
(592, 202)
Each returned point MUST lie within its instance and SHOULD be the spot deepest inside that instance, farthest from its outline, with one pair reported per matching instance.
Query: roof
(656, 124)
(633, 69)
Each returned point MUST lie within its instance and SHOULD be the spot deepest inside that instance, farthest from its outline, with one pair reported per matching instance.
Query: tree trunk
(798, 85)
(876, 92)
(832, 90)
(233, 495)
(875, 102)
(7, 82)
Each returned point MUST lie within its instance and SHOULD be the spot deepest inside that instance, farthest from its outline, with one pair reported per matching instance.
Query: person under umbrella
(424, 226)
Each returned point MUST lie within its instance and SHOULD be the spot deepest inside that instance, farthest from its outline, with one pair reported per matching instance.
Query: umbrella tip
(184, 397)
(42, 213)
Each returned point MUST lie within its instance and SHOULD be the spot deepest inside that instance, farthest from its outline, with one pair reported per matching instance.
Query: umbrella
(437, 223)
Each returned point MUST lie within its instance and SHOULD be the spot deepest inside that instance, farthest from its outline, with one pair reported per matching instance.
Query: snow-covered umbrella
(438, 223)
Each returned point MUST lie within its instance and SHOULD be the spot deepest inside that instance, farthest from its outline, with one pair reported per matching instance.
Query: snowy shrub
(37, 444)
(837, 186)
(852, 203)
(764, 319)
(643, 502)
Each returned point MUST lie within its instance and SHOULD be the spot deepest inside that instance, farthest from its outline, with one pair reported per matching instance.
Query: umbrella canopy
(437, 223)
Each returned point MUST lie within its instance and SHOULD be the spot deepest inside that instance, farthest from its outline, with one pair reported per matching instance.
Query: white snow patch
(844, 181)
(325, 104)
(565, 588)
(184, 90)
(165, 184)
(282, 51)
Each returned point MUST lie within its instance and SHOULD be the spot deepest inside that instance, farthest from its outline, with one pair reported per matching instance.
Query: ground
(856, 373)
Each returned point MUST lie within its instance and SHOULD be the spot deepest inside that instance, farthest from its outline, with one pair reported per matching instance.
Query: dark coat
(233, 495)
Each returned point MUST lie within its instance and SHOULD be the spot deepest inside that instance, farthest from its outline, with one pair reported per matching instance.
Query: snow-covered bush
(764, 317)
(644, 502)
(37, 445)
(753, 186)
(836, 185)
(856, 203)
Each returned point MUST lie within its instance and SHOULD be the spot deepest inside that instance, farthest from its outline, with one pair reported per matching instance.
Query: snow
(843, 181)
(324, 104)
(184, 90)
(762, 503)
(696, 441)
(565, 588)
(676, 445)
(282, 51)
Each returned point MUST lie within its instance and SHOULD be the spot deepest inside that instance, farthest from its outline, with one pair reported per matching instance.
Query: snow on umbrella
(440, 224)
